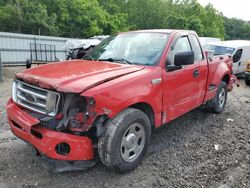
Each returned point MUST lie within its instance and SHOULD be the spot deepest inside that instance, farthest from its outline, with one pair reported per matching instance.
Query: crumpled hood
(75, 76)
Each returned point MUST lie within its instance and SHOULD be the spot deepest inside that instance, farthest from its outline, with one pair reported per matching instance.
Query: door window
(182, 45)
(198, 55)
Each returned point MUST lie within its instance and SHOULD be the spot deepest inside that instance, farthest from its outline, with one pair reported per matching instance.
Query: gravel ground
(197, 150)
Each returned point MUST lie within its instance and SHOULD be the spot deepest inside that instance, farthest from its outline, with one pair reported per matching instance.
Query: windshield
(220, 50)
(130, 48)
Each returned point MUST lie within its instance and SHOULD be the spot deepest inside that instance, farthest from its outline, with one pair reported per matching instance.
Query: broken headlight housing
(80, 112)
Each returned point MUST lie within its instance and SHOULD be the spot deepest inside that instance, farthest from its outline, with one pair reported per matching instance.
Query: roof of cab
(160, 31)
(232, 43)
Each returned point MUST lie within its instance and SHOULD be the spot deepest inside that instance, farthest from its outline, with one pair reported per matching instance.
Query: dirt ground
(197, 150)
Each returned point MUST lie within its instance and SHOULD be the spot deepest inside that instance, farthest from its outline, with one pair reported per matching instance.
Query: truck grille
(35, 98)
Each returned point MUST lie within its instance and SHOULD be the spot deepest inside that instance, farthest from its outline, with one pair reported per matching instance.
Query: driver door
(180, 87)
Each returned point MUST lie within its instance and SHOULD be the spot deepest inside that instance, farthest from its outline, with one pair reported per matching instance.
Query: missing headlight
(78, 110)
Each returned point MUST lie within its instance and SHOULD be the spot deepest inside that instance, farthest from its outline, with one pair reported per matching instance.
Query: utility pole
(20, 17)
(1, 69)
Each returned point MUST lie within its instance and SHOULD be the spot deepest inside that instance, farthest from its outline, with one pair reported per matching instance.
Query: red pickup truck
(105, 105)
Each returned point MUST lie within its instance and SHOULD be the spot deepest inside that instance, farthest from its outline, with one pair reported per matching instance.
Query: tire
(247, 81)
(28, 64)
(125, 141)
(217, 104)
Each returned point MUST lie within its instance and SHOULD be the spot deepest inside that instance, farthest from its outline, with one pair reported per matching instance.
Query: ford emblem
(30, 98)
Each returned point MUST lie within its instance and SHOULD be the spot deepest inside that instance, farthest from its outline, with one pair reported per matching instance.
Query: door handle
(196, 73)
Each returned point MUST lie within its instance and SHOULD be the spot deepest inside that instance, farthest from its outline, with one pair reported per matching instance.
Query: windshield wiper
(116, 59)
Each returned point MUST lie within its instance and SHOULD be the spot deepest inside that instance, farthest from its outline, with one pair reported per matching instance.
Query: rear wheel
(247, 81)
(217, 104)
(125, 142)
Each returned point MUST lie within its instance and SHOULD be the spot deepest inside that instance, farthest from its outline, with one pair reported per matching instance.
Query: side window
(237, 55)
(198, 55)
(182, 45)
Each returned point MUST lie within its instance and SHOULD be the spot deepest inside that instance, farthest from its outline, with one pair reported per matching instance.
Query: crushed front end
(58, 125)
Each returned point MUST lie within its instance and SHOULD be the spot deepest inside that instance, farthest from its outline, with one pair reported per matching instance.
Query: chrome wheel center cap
(131, 141)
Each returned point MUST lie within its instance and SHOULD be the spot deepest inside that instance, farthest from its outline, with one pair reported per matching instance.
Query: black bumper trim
(58, 166)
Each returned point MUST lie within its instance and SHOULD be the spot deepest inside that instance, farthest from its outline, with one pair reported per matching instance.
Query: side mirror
(184, 58)
(171, 68)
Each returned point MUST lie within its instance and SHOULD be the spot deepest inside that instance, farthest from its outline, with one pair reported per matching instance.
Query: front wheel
(217, 104)
(124, 144)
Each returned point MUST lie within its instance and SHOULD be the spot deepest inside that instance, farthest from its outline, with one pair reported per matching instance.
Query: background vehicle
(76, 49)
(108, 103)
(239, 49)
(206, 40)
(247, 74)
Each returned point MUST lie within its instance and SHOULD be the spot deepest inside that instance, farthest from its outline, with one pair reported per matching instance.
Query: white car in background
(206, 40)
(239, 49)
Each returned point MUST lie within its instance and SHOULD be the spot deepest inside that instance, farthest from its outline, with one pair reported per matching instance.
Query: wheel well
(148, 110)
(226, 79)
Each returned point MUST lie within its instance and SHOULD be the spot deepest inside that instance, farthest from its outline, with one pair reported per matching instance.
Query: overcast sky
(231, 8)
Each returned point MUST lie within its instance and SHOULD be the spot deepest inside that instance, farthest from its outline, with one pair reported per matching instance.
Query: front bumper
(45, 140)
(64, 166)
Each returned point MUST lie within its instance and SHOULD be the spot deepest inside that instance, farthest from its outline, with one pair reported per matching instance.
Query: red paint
(75, 76)
(115, 87)
(81, 147)
(20, 117)
(59, 116)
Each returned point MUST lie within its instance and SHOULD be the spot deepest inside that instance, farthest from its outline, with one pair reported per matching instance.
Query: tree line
(86, 18)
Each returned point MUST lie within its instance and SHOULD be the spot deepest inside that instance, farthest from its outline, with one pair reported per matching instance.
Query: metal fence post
(1, 69)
